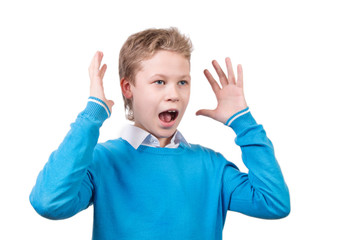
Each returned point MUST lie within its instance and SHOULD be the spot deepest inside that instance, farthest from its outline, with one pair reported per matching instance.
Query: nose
(172, 93)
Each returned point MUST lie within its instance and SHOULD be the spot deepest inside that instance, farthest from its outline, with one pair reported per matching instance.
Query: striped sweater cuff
(97, 109)
(241, 120)
(101, 103)
(236, 115)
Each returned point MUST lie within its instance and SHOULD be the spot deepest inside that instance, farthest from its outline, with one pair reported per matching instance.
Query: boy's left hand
(230, 96)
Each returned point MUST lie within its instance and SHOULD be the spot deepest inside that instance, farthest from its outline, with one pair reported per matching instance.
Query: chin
(166, 133)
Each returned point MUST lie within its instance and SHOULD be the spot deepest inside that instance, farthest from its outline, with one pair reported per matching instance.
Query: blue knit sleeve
(64, 186)
(262, 192)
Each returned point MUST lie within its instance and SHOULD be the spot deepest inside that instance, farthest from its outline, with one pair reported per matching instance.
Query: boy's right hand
(96, 79)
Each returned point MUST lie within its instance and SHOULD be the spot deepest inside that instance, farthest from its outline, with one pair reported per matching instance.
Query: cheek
(144, 104)
(186, 96)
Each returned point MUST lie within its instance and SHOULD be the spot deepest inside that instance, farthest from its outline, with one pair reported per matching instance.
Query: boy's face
(161, 94)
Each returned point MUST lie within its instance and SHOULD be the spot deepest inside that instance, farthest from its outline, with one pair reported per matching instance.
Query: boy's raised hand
(96, 79)
(230, 96)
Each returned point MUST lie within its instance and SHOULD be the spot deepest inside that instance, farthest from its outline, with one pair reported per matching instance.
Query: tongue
(165, 116)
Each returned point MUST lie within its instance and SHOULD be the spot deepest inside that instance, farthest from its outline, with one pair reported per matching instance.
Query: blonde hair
(142, 46)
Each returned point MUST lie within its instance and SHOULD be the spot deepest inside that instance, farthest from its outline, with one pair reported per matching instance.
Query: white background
(301, 71)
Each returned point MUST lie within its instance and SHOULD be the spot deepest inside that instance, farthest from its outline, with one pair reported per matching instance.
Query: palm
(96, 79)
(230, 96)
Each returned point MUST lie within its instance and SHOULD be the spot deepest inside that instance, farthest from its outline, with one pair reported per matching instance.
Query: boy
(151, 183)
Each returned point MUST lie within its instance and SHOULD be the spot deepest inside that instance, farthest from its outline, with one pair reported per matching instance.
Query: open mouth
(168, 116)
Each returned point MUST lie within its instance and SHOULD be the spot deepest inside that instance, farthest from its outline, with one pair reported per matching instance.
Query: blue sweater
(158, 193)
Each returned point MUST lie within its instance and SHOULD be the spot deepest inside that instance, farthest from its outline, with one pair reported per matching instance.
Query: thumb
(206, 113)
(110, 103)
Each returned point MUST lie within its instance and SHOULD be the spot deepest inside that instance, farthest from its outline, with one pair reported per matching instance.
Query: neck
(164, 141)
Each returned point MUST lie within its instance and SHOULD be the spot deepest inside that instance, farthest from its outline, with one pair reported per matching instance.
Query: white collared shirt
(136, 136)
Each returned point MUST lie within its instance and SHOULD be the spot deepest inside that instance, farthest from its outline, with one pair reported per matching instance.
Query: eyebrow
(164, 76)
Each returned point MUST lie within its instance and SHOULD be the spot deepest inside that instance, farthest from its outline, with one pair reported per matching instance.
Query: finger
(220, 73)
(206, 113)
(240, 82)
(231, 76)
(102, 71)
(98, 58)
(92, 63)
(214, 85)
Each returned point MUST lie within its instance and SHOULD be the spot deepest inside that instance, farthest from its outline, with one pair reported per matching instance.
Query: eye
(183, 82)
(159, 82)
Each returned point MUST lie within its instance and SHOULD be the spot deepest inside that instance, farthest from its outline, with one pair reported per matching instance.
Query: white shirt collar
(136, 136)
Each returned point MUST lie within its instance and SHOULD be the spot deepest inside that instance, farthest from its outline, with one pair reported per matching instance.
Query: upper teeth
(172, 111)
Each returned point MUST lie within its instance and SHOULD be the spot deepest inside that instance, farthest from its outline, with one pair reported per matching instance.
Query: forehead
(166, 64)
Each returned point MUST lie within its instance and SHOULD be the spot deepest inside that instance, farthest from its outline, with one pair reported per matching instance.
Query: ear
(126, 88)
